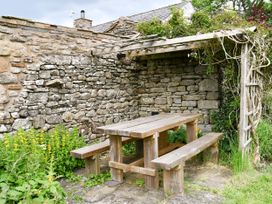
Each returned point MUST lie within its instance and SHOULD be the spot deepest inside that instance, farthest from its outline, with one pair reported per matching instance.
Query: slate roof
(162, 13)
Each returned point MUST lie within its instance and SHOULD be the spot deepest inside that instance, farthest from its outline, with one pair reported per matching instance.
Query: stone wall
(178, 85)
(47, 77)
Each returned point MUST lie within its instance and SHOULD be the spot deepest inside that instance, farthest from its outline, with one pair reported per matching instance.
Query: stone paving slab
(201, 186)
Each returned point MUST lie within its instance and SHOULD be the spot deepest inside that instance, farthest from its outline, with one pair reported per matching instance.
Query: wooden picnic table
(148, 130)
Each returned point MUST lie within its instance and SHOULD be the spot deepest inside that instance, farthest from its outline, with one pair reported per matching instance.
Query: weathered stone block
(208, 85)
(68, 116)
(38, 97)
(192, 97)
(21, 123)
(7, 78)
(208, 104)
(15, 70)
(160, 101)
(188, 103)
(212, 95)
(3, 129)
(45, 74)
(157, 90)
(4, 64)
(147, 101)
(192, 88)
(54, 119)
(187, 82)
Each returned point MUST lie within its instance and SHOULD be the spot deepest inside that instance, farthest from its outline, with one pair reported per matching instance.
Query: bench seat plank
(94, 149)
(176, 157)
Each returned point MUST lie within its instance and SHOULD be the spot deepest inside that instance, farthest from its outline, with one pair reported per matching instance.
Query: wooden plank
(116, 155)
(176, 157)
(191, 129)
(145, 130)
(173, 180)
(151, 182)
(243, 97)
(187, 39)
(159, 50)
(139, 129)
(132, 123)
(129, 168)
(94, 149)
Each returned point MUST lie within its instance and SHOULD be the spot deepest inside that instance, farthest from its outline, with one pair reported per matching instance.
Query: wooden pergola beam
(165, 45)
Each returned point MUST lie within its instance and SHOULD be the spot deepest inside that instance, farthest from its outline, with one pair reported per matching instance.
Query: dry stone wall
(47, 77)
(178, 85)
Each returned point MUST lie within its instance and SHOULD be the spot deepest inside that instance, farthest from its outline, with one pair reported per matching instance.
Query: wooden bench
(91, 154)
(173, 162)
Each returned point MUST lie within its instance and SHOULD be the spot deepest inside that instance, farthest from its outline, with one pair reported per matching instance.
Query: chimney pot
(82, 14)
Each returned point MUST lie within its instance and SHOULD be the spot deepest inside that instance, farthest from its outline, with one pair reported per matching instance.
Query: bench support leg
(92, 165)
(150, 153)
(173, 180)
(191, 129)
(212, 153)
(116, 155)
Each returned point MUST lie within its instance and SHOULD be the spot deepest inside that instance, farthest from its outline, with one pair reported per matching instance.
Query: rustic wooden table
(148, 130)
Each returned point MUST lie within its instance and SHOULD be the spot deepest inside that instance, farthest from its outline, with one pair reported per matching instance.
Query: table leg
(150, 153)
(116, 155)
(191, 129)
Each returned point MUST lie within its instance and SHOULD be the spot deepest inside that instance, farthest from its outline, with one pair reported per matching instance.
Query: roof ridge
(144, 12)
(183, 2)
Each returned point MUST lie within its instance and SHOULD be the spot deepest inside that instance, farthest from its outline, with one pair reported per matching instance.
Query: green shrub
(179, 135)
(129, 148)
(226, 120)
(264, 133)
(200, 20)
(31, 161)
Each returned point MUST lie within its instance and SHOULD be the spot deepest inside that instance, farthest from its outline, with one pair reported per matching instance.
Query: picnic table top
(146, 126)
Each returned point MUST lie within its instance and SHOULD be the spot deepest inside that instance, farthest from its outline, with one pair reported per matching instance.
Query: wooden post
(173, 180)
(243, 98)
(116, 155)
(191, 129)
(211, 154)
(92, 165)
(150, 153)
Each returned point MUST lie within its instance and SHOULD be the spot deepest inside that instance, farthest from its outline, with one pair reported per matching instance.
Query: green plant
(95, 180)
(179, 135)
(200, 20)
(140, 182)
(31, 160)
(264, 132)
(129, 148)
(250, 187)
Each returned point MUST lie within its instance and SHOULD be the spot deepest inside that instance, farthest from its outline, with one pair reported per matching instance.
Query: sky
(63, 12)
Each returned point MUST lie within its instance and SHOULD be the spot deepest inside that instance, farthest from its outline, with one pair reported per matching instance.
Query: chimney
(82, 22)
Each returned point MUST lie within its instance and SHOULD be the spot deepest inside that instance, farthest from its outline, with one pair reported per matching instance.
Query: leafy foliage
(179, 135)
(176, 26)
(264, 132)
(31, 161)
(95, 180)
(129, 148)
